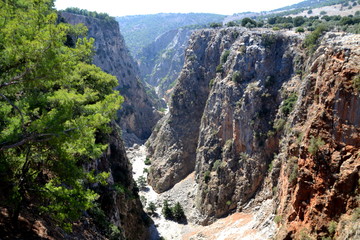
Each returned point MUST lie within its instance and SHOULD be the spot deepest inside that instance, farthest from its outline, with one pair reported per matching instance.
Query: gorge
(261, 139)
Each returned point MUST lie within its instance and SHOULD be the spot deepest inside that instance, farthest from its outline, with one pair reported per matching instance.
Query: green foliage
(216, 165)
(231, 24)
(298, 21)
(248, 22)
(84, 12)
(236, 77)
(211, 83)
(311, 40)
(151, 208)
(141, 182)
(279, 124)
(147, 161)
(207, 176)
(332, 227)
(219, 68)
(356, 82)
(55, 109)
(66, 205)
(215, 25)
(114, 232)
(267, 40)
(288, 104)
(323, 13)
(224, 56)
(178, 212)
(277, 219)
(166, 210)
(293, 168)
(300, 30)
(315, 144)
(228, 203)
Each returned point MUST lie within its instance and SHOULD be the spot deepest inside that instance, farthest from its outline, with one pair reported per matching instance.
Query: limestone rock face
(122, 208)
(161, 62)
(257, 117)
(206, 101)
(137, 116)
(319, 178)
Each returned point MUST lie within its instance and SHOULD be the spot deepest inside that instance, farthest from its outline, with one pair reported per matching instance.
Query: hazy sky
(134, 7)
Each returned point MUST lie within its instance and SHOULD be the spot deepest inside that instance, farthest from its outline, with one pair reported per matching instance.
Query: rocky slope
(258, 118)
(137, 116)
(161, 62)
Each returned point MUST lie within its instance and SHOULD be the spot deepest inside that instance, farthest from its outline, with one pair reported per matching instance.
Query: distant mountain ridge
(141, 30)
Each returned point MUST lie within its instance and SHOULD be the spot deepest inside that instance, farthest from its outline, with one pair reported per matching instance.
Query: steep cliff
(161, 61)
(137, 116)
(318, 187)
(258, 118)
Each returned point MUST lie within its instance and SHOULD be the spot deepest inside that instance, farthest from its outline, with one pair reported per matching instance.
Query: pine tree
(166, 210)
(178, 212)
(54, 109)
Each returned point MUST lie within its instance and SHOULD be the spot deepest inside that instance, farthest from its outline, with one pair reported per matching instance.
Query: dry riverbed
(252, 225)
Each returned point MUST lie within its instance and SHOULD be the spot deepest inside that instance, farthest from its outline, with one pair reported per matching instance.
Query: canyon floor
(254, 223)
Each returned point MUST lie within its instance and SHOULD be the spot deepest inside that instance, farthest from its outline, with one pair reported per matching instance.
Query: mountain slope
(140, 30)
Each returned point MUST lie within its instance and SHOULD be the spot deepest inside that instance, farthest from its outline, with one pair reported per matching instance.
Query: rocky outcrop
(161, 62)
(258, 117)
(320, 161)
(137, 116)
(119, 200)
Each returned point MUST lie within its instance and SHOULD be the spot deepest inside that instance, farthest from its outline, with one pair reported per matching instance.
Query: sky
(136, 7)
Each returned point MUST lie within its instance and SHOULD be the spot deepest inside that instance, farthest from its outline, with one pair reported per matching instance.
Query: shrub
(300, 30)
(311, 40)
(211, 83)
(323, 13)
(293, 169)
(228, 203)
(231, 24)
(310, 11)
(225, 56)
(288, 104)
(151, 208)
(315, 144)
(215, 25)
(216, 165)
(246, 22)
(356, 82)
(332, 227)
(298, 21)
(207, 176)
(279, 124)
(147, 161)
(219, 68)
(267, 40)
(277, 219)
(237, 77)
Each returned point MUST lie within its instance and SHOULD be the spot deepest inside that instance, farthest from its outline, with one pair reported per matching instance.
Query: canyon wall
(258, 116)
(138, 115)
